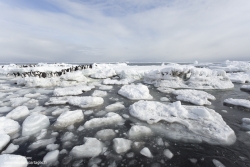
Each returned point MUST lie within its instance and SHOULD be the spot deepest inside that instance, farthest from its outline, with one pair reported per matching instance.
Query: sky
(124, 30)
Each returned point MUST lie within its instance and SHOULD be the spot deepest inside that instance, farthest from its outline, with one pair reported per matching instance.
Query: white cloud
(148, 31)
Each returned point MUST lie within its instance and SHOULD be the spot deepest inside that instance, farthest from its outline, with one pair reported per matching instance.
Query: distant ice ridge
(239, 77)
(232, 66)
(185, 123)
(184, 76)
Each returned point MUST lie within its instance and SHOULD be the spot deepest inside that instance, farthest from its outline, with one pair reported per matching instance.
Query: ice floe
(103, 73)
(41, 143)
(91, 148)
(194, 123)
(10, 160)
(105, 134)
(239, 77)
(99, 93)
(238, 102)
(217, 163)
(146, 152)
(135, 92)
(85, 101)
(246, 123)
(10, 149)
(114, 107)
(105, 87)
(139, 132)
(69, 118)
(68, 91)
(4, 140)
(109, 81)
(121, 145)
(34, 123)
(109, 119)
(168, 153)
(197, 97)
(18, 101)
(50, 159)
(8, 126)
(19, 112)
(245, 87)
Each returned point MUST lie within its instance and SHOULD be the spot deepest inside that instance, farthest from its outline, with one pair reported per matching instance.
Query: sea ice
(74, 76)
(135, 92)
(18, 101)
(164, 99)
(91, 148)
(103, 73)
(114, 107)
(168, 153)
(246, 123)
(139, 132)
(68, 91)
(146, 152)
(105, 134)
(68, 136)
(19, 112)
(52, 147)
(50, 159)
(8, 126)
(197, 97)
(10, 160)
(99, 93)
(109, 119)
(218, 163)
(239, 77)
(245, 87)
(238, 102)
(41, 143)
(86, 101)
(58, 100)
(10, 149)
(105, 87)
(5, 109)
(4, 140)
(34, 123)
(68, 118)
(121, 145)
(109, 81)
(186, 123)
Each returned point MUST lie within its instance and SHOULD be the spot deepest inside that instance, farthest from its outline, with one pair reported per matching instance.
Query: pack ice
(186, 123)
(86, 101)
(68, 118)
(238, 102)
(135, 92)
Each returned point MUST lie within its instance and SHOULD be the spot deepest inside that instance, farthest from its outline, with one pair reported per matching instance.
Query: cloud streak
(110, 31)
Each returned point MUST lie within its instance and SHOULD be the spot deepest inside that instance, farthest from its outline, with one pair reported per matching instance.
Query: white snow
(86, 101)
(10, 160)
(99, 93)
(105, 134)
(19, 112)
(4, 140)
(8, 126)
(114, 107)
(68, 91)
(109, 119)
(91, 148)
(34, 123)
(238, 102)
(139, 132)
(188, 123)
(135, 92)
(146, 152)
(68, 118)
(121, 145)
(51, 158)
(10, 149)
(197, 97)
(168, 153)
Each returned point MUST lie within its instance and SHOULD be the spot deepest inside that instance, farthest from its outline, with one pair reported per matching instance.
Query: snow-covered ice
(146, 152)
(135, 92)
(109, 81)
(10, 160)
(50, 159)
(114, 107)
(121, 145)
(19, 112)
(245, 87)
(194, 123)
(105, 134)
(105, 87)
(238, 102)
(8, 126)
(4, 140)
(34, 123)
(85, 101)
(68, 118)
(197, 97)
(10, 149)
(91, 148)
(68, 91)
(218, 163)
(139, 132)
(103, 73)
(168, 153)
(99, 93)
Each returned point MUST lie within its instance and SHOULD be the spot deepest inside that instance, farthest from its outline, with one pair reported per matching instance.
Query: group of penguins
(50, 74)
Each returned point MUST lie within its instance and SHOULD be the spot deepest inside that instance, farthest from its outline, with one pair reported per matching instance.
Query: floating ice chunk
(239, 77)
(10, 160)
(225, 111)
(68, 91)
(39, 82)
(10, 149)
(41, 143)
(246, 123)
(105, 87)
(86, 101)
(18, 101)
(164, 99)
(91, 148)
(103, 73)
(159, 141)
(245, 87)
(193, 160)
(114, 107)
(42, 134)
(50, 159)
(193, 123)
(31, 103)
(125, 116)
(59, 111)
(32, 95)
(238, 102)
(146, 152)
(58, 100)
(4, 140)
(69, 118)
(88, 112)
(105, 134)
(109, 119)
(34, 123)
(8, 126)
(109, 81)
(80, 128)
(94, 162)
(130, 155)
(121, 145)
(74, 76)
(19, 112)
(5, 109)
(165, 90)
(68, 136)
(52, 147)
(139, 132)
(135, 92)
(63, 151)
(99, 93)
(197, 97)
(168, 153)
(218, 163)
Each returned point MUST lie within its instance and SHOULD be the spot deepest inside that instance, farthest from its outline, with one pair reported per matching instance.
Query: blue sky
(124, 30)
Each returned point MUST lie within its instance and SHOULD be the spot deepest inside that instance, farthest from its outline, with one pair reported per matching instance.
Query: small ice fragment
(168, 153)
(10, 149)
(88, 112)
(193, 160)
(225, 111)
(139, 132)
(146, 152)
(80, 128)
(130, 155)
(159, 141)
(121, 145)
(51, 158)
(217, 163)
(125, 116)
(105, 134)
(52, 147)
(68, 118)
(114, 107)
(4, 140)
(19, 112)
(164, 99)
